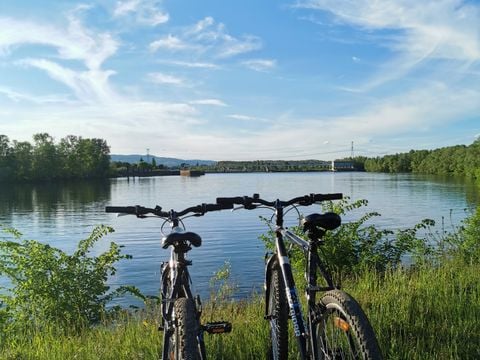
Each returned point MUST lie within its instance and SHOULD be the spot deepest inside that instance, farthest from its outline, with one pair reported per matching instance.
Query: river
(62, 214)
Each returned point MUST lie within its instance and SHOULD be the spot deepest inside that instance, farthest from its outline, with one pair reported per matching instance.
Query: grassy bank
(432, 312)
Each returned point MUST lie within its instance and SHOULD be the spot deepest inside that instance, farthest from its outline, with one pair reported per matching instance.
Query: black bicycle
(181, 311)
(335, 327)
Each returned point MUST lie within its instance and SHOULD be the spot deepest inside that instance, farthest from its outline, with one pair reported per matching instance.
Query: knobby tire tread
(358, 321)
(279, 316)
(187, 329)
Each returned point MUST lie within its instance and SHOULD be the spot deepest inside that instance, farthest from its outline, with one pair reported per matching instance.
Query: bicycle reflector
(341, 324)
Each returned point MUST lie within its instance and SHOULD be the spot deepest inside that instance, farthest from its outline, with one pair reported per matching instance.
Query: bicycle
(181, 311)
(336, 327)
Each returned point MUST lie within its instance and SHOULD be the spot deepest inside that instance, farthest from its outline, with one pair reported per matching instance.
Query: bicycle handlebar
(140, 211)
(251, 202)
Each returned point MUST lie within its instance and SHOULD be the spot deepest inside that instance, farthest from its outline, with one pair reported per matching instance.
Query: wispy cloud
(87, 86)
(74, 42)
(425, 30)
(262, 65)
(169, 42)
(161, 78)
(243, 117)
(143, 11)
(212, 102)
(18, 97)
(197, 65)
(207, 37)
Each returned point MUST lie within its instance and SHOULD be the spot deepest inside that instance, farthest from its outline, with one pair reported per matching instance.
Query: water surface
(62, 214)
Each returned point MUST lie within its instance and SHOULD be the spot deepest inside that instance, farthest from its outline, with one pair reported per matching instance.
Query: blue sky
(243, 80)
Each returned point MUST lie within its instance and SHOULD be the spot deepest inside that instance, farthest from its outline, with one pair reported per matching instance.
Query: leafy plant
(49, 286)
(465, 241)
(222, 287)
(359, 244)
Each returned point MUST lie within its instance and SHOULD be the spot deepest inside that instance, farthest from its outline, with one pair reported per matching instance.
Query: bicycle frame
(305, 339)
(175, 284)
(175, 278)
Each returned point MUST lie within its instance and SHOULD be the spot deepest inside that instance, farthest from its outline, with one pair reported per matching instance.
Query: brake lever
(123, 214)
(237, 208)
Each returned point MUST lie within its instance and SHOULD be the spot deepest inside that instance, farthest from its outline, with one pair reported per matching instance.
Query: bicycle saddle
(327, 221)
(177, 237)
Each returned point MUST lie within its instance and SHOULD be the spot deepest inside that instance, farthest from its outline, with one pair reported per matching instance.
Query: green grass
(430, 312)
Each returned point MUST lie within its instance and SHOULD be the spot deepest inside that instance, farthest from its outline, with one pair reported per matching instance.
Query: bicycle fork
(295, 311)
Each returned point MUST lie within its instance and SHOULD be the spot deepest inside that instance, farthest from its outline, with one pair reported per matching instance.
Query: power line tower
(351, 153)
(148, 156)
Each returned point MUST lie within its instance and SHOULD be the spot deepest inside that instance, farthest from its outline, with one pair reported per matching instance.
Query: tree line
(269, 166)
(460, 160)
(73, 157)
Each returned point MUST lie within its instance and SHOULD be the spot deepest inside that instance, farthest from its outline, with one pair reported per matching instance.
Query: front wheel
(183, 344)
(343, 330)
(278, 316)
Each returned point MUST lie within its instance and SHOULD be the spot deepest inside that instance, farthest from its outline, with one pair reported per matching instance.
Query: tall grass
(430, 312)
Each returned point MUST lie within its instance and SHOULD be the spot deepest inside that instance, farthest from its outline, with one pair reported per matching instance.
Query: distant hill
(170, 162)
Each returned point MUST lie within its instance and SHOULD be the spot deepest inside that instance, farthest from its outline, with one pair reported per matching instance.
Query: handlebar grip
(215, 207)
(120, 209)
(229, 201)
(325, 197)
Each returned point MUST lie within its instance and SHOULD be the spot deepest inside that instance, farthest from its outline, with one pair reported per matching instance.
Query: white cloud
(426, 30)
(18, 97)
(144, 11)
(125, 7)
(160, 78)
(200, 65)
(261, 65)
(206, 37)
(212, 102)
(88, 86)
(169, 42)
(73, 43)
(242, 117)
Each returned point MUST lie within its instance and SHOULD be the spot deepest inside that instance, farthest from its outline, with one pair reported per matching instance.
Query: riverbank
(428, 310)
(431, 312)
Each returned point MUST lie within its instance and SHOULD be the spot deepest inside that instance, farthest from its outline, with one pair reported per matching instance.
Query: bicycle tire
(278, 315)
(343, 331)
(183, 343)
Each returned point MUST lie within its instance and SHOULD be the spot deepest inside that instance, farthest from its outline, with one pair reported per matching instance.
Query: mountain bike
(335, 326)
(181, 311)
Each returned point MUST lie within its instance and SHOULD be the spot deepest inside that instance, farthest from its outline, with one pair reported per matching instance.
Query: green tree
(45, 165)
(23, 160)
(6, 159)
(69, 157)
(93, 157)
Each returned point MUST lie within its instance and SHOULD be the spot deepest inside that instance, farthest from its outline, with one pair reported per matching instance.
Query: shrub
(358, 244)
(49, 286)
(465, 241)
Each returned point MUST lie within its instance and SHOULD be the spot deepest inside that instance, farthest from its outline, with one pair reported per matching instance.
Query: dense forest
(453, 160)
(72, 158)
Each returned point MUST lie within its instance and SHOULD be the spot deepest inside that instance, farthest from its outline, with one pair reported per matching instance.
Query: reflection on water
(47, 199)
(62, 214)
